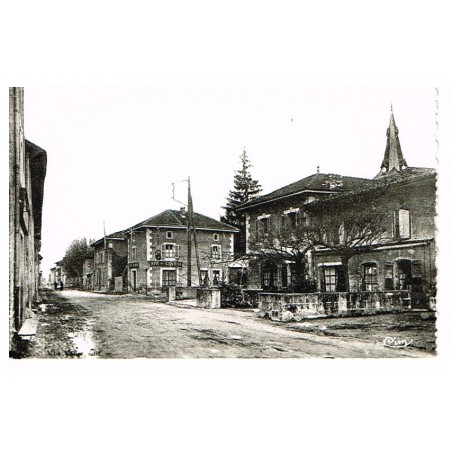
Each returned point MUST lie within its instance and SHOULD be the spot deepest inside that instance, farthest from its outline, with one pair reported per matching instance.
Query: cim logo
(395, 342)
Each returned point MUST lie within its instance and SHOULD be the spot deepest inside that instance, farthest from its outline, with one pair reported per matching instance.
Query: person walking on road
(61, 285)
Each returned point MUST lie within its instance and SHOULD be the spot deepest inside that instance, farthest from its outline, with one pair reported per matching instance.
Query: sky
(114, 152)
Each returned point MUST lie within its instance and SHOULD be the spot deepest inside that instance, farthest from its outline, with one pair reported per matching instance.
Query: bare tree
(345, 229)
(287, 242)
(348, 228)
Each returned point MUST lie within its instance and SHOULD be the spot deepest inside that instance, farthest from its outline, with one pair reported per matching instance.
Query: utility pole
(189, 224)
(190, 216)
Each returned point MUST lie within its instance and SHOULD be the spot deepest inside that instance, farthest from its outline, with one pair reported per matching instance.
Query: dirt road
(82, 324)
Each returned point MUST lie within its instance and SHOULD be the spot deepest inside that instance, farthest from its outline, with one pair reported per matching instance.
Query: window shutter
(177, 251)
(396, 224)
(162, 248)
(416, 269)
(404, 223)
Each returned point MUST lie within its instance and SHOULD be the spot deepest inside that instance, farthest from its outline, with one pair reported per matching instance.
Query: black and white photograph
(228, 225)
(223, 222)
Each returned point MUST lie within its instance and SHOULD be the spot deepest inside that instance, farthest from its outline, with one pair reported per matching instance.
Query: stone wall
(275, 305)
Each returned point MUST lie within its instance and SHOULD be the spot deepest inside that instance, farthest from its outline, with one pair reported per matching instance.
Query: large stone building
(400, 257)
(159, 254)
(27, 170)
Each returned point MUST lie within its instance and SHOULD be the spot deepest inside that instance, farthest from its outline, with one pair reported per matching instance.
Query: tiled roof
(115, 236)
(175, 218)
(316, 182)
(393, 178)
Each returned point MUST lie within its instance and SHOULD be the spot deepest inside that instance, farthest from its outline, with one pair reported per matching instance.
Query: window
(216, 237)
(402, 224)
(134, 253)
(215, 252)
(269, 276)
(263, 224)
(170, 251)
(330, 276)
(169, 235)
(216, 277)
(389, 276)
(370, 277)
(168, 278)
(292, 219)
(204, 275)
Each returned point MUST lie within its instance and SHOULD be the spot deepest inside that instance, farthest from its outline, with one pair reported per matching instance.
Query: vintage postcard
(223, 222)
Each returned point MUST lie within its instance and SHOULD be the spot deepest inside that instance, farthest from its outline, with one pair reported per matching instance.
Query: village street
(87, 325)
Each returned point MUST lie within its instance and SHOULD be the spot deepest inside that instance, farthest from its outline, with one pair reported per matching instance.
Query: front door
(404, 274)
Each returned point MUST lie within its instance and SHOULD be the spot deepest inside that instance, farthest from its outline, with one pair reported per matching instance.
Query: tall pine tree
(245, 189)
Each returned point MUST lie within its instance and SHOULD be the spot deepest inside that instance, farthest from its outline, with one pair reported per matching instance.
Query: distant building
(109, 262)
(88, 271)
(158, 251)
(27, 171)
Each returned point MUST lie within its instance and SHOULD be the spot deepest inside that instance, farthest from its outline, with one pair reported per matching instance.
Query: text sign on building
(165, 264)
(134, 264)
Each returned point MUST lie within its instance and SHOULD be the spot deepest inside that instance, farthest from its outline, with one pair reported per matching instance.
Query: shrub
(232, 297)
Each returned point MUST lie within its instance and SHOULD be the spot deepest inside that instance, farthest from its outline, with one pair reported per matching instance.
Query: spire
(393, 159)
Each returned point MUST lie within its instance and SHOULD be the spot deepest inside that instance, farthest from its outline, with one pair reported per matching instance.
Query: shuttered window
(402, 224)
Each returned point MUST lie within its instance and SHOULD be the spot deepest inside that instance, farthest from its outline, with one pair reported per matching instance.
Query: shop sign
(164, 264)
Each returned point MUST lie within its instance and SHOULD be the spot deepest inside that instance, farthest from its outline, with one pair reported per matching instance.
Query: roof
(178, 219)
(394, 178)
(319, 182)
(38, 168)
(120, 235)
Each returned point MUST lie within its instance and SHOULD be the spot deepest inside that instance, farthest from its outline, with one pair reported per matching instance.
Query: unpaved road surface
(81, 324)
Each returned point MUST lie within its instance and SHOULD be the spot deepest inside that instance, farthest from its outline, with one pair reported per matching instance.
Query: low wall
(208, 298)
(185, 293)
(302, 305)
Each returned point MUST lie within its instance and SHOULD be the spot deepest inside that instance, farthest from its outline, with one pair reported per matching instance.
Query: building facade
(109, 262)
(27, 170)
(401, 257)
(160, 253)
(88, 271)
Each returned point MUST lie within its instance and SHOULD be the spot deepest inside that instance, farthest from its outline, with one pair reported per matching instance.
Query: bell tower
(393, 159)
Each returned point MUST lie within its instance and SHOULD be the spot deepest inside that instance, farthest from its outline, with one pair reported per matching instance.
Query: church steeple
(393, 159)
